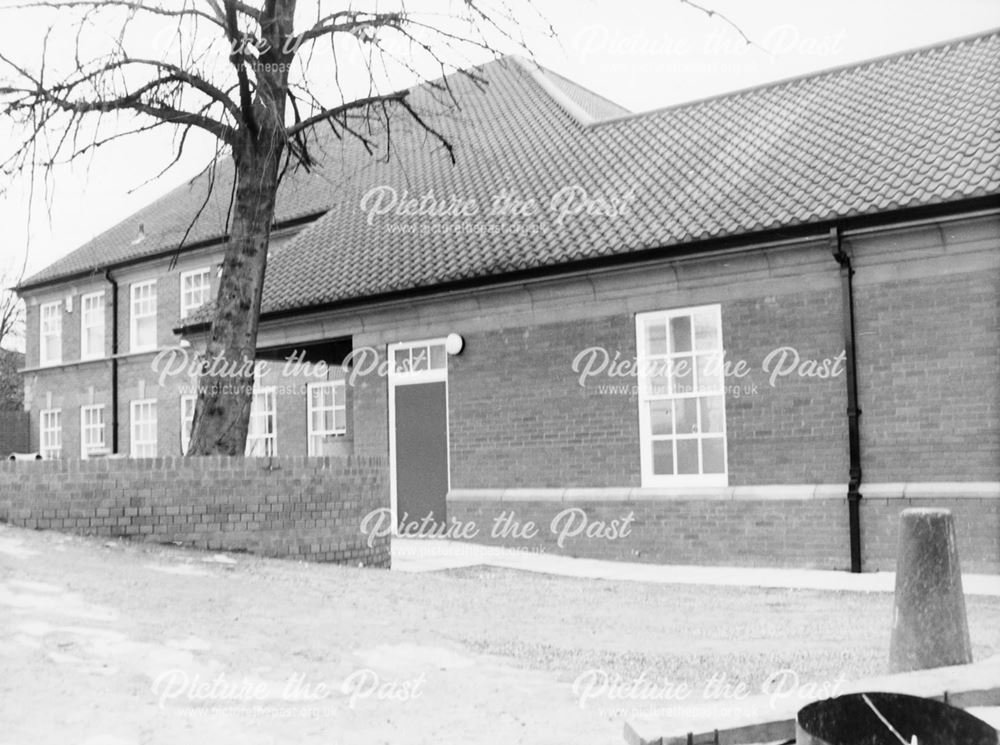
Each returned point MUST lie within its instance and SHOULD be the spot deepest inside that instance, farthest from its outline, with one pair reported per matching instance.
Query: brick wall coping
(934, 489)
(917, 490)
(178, 462)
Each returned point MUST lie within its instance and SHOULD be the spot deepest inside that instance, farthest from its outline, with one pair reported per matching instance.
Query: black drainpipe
(853, 412)
(114, 361)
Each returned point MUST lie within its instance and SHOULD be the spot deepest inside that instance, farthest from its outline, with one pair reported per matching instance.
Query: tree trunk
(225, 389)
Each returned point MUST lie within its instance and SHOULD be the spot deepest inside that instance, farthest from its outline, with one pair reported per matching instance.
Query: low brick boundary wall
(297, 507)
(801, 533)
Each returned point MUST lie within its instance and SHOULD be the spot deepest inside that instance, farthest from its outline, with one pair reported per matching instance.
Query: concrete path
(429, 555)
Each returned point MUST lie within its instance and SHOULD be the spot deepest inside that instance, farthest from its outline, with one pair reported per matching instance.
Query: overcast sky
(644, 54)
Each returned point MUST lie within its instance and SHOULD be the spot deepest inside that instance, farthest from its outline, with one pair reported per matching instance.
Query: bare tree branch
(349, 21)
(133, 5)
(336, 111)
(725, 19)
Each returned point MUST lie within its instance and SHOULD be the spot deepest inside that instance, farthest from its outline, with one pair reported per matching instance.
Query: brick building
(750, 328)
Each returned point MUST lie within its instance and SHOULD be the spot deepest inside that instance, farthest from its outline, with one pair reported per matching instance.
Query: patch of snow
(104, 651)
(13, 547)
(27, 641)
(219, 559)
(44, 628)
(184, 570)
(414, 656)
(58, 602)
(190, 644)
(30, 586)
(61, 658)
(108, 740)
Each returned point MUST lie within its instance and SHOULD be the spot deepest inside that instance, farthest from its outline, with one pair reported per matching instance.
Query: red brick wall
(794, 432)
(810, 533)
(977, 529)
(519, 418)
(799, 533)
(928, 333)
(307, 508)
(167, 310)
(369, 395)
(69, 387)
(929, 378)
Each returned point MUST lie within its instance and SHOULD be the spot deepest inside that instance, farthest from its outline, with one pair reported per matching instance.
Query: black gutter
(853, 412)
(114, 361)
(817, 231)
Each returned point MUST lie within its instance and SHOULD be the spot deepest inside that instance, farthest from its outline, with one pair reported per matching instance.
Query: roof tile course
(920, 128)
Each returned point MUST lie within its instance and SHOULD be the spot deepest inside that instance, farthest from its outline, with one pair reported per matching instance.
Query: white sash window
(682, 405)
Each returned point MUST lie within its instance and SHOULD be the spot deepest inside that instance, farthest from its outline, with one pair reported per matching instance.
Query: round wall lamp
(454, 344)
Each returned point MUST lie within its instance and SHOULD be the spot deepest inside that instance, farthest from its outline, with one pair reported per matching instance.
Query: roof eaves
(807, 230)
(161, 253)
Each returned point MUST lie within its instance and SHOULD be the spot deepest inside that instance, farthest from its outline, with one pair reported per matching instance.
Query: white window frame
(50, 327)
(135, 316)
(204, 291)
(260, 442)
(139, 447)
(50, 433)
(88, 427)
(420, 363)
(314, 435)
(188, 403)
(649, 363)
(96, 300)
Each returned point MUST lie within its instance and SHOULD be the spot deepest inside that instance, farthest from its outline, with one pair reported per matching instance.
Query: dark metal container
(888, 719)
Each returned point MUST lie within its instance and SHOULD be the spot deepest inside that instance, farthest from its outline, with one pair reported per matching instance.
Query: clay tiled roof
(915, 129)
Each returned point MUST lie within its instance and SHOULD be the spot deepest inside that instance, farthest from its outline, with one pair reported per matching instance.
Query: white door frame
(398, 377)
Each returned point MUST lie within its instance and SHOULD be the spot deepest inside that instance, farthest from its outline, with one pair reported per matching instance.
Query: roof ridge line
(571, 107)
(826, 71)
(581, 86)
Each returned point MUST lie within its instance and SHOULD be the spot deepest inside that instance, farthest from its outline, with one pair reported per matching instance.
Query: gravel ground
(680, 631)
(110, 643)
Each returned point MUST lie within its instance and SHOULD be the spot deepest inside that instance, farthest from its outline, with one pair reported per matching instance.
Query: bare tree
(11, 311)
(11, 337)
(251, 74)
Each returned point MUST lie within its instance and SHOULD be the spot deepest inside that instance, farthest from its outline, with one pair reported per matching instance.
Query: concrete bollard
(929, 626)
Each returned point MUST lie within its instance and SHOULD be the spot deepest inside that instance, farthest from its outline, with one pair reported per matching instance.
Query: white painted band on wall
(919, 490)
